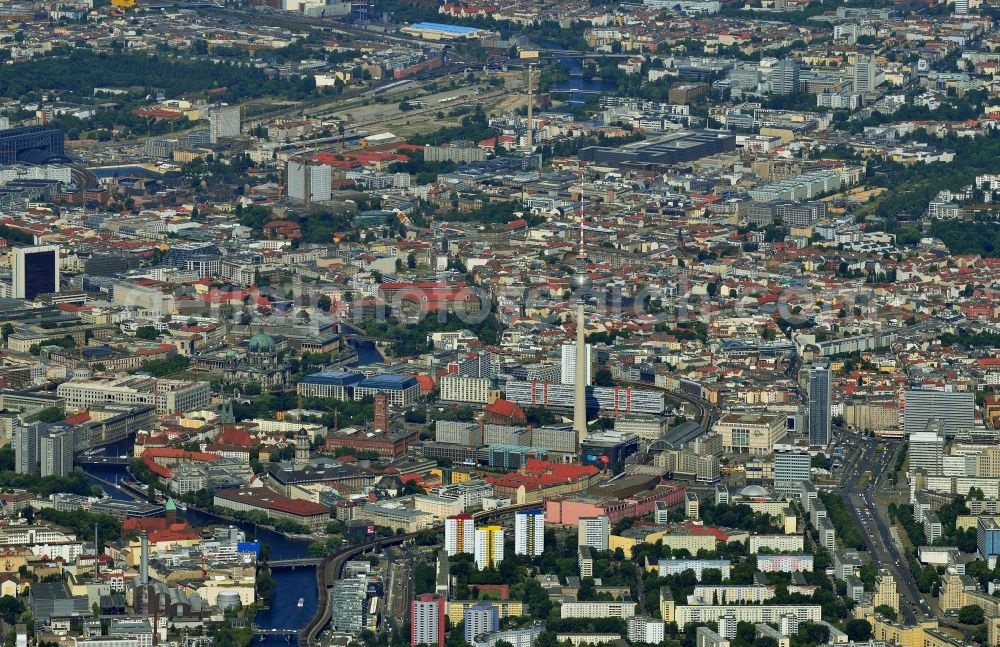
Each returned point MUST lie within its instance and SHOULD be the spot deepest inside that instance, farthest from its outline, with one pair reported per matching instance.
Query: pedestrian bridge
(292, 563)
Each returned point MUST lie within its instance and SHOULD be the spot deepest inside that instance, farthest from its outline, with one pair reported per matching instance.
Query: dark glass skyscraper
(819, 405)
(36, 271)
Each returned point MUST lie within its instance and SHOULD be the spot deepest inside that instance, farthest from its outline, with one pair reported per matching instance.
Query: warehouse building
(676, 148)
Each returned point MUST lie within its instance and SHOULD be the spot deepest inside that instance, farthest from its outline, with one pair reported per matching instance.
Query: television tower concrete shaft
(580, 379)
(580, 283)
(530, 134)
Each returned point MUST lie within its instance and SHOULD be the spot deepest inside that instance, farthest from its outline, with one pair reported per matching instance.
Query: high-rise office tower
(956, 411)
(309, 181)
(26, 447)
(529, 532)
(348, 609)
(223, 122)
(459, 535)
(489, 547)
(820, 433)
(481, 619)
(961, 7)
(568, 363)
(785, 77)
(593, 532)
(35, 271)
(792, 466)
(56, 453)
(427, 616)
(864, 74)
(926, 452)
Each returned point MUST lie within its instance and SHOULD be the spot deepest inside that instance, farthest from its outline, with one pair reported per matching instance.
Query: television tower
(529, 135)
(580, 283)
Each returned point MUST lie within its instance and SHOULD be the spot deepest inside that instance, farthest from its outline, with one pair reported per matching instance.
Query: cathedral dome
(261, 343)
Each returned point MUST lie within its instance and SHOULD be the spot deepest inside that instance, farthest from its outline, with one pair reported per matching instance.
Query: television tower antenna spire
(582, 198)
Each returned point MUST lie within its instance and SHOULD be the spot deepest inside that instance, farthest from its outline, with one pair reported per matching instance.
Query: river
(292, 584)
(576, 81)
(366, 350)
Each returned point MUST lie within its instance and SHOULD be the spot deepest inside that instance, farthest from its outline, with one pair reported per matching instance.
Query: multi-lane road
(877, 459)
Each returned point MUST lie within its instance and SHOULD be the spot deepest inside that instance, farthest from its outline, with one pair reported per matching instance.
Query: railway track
(706, 413)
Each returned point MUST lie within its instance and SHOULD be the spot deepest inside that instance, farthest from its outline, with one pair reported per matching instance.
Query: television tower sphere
(580, 280)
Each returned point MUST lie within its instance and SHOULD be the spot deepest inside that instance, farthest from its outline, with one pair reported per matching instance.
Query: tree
(971, 614)
(603, 378)
(886, 611)
(858, 630)
(148, 333)
(50, 414)
(324, 303)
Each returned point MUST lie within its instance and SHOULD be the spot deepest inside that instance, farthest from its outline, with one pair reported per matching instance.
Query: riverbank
(290, 536)
(121, 487)
(367, 351)
(290, 583)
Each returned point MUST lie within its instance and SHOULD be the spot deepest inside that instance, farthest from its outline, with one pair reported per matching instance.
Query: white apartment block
(827, 534)
(458, 388)
(488, 547)
(593, 532)
(784, 563)
(644, 629)
(732, 593)
(771, 613)
(777, 543)
(597, 610)
(568, 364)
(585, 561)
(529, 532)
(459, 535)
(705, 637)
(699, 566)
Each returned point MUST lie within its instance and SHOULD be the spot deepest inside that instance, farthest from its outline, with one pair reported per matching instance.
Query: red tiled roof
(502, 408)
(78, 419)
(538, 474)
(701, 529)
(264, 498)
(150, 455)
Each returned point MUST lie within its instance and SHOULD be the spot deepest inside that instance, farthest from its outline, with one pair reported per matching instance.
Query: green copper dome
(261, 343)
